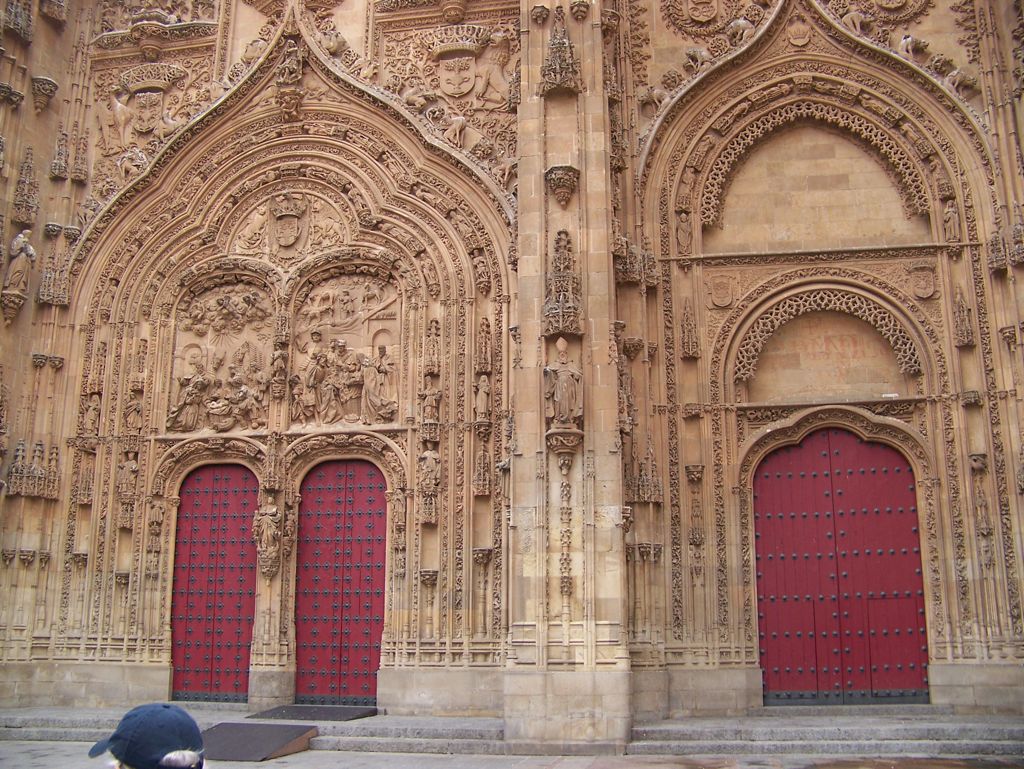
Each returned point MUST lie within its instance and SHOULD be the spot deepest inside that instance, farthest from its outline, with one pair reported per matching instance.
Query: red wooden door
(840, 592)
(214, 584)
(339, 590)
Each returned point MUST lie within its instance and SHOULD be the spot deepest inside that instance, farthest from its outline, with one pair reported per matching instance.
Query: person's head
(155, 736)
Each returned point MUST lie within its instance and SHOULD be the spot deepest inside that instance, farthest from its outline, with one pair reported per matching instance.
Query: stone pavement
(74, 755)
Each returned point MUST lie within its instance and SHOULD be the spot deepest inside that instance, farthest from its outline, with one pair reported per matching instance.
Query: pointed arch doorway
(840, 593)
(339, 583)
(213, 592)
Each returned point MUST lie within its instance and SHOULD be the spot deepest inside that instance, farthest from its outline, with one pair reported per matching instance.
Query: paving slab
(73, 755)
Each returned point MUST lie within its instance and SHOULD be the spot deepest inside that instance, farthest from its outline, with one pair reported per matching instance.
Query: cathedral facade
(578, 362)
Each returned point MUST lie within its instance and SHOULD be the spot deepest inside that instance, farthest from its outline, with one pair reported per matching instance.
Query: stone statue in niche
(221, 355)
(432, 348)
(132, 417)
(482, 401)
(430, 400)
(430, 467)
(127, 475)
(343, 375)
(91, 418)
(684, 231)
(267, 532)
(23, 257)
(951, 222)
(374, 405)
(562, 389)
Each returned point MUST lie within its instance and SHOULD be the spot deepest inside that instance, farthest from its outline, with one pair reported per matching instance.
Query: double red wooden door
(339, 590)
(214, 584)
(840, 593)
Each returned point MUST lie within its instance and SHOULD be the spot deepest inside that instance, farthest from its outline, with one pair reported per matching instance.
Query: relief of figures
(221, 380)
(346, 371)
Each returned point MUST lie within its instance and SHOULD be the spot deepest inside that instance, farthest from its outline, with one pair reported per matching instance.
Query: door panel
(214, 585)
(839, 585)
(339, 605)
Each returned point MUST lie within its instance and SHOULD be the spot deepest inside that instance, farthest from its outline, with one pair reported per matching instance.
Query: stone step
(874, 748)
(414, 727)
(829, 711)
(494, 747)
(774, 731)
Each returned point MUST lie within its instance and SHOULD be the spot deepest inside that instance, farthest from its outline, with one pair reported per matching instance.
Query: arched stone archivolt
(823, 299)
(305, 453)
(916, 344)
(868, 427)
(881, 141)
(181, 459)
(697, 145)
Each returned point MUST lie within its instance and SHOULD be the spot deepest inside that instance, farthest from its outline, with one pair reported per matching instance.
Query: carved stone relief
(222, 349)
(347, 334)
(460, 79)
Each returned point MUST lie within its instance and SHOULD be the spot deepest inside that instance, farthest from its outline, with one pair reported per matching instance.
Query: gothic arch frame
(766, 317)
(190, 454)
(869, 427)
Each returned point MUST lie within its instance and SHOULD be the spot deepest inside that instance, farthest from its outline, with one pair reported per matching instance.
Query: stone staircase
(863, 731)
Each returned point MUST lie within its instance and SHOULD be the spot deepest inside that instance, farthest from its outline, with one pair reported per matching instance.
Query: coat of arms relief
(462, 78)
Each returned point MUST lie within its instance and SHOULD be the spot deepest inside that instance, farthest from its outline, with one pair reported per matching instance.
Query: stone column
(568, 672)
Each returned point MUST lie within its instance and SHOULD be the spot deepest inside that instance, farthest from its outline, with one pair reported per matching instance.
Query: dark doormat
(256, 742)
(317, 712)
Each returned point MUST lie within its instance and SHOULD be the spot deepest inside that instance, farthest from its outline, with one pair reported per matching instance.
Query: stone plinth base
(978, 688)
(82, 684)
(721, 691)
(567, 712)
(650, 695)
(440, 692)
(271, 688)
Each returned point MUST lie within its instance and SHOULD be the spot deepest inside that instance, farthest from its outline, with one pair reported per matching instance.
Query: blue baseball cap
(156, 736)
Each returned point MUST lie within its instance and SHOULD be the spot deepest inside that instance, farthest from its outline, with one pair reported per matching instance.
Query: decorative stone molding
(26, 192)
(563, 302)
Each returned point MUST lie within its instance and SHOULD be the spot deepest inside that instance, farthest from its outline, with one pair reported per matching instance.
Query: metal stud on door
(214, 585)
(339, 604)
(839, 586)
